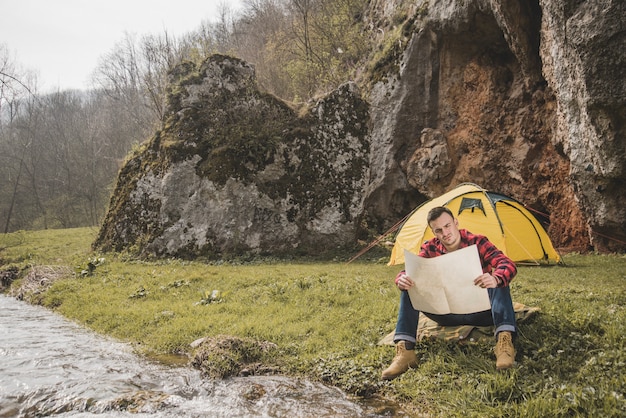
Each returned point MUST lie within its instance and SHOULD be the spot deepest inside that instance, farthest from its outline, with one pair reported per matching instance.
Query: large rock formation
(524, 98)
(236, 171)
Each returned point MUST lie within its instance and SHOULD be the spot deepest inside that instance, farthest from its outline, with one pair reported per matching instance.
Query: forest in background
(60, 152)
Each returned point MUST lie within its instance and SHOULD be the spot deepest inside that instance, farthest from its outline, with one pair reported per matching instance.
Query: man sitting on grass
(498, 271)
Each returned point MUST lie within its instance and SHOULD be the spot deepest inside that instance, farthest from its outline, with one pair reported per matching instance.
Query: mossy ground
(326, 320)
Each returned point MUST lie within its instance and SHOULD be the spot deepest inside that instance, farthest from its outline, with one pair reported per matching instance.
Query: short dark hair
(436, 212)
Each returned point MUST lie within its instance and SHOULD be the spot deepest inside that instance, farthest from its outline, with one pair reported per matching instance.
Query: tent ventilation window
(472, 204)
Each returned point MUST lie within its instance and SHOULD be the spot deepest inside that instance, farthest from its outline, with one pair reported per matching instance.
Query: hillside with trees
(61, 151)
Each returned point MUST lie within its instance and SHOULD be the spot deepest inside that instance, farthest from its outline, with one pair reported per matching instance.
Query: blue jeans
(501, 315)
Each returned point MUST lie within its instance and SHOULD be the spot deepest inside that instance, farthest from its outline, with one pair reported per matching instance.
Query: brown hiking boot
(505, 352)
(401, 362)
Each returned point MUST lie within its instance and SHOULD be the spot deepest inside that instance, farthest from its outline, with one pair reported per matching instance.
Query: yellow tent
(503, 220)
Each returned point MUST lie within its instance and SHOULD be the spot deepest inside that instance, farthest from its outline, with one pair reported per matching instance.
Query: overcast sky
(62, 40)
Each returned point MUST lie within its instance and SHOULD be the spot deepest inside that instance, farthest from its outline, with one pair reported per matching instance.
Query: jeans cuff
(404, 337)
(505, 327)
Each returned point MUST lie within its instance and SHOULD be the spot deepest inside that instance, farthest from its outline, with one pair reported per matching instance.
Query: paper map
(445, 284)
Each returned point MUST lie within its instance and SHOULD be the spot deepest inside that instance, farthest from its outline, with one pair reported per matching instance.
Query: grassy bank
(327, 318)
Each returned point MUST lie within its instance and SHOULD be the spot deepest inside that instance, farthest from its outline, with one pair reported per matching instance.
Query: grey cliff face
(584, 63)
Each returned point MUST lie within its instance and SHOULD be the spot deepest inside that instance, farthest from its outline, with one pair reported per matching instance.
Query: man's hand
(486, 281)
(403, 281)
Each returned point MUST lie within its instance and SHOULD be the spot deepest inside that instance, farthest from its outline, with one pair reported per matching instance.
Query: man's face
(446, 229)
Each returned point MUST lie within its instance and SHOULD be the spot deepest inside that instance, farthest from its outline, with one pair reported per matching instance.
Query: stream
(50, 366)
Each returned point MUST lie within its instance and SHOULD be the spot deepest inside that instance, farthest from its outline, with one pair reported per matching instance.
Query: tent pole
(379, 239)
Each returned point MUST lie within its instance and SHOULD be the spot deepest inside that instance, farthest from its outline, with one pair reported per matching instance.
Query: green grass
(327, 318)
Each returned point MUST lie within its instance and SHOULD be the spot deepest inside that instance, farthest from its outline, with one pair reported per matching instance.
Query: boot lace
(505, 344)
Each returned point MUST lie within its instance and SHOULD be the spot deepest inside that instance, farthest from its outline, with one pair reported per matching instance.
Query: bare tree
(14, 91)
(13, 85)
(160, 54)
(259, 26)
(118, 75)
(301, 29)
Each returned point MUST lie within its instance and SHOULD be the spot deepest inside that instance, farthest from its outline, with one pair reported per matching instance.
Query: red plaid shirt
(492, 259)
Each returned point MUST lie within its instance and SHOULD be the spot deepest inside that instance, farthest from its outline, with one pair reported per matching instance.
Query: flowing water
(50, 366)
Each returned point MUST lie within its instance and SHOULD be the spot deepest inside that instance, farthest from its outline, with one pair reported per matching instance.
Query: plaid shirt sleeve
(494, 261)
(432, 248)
